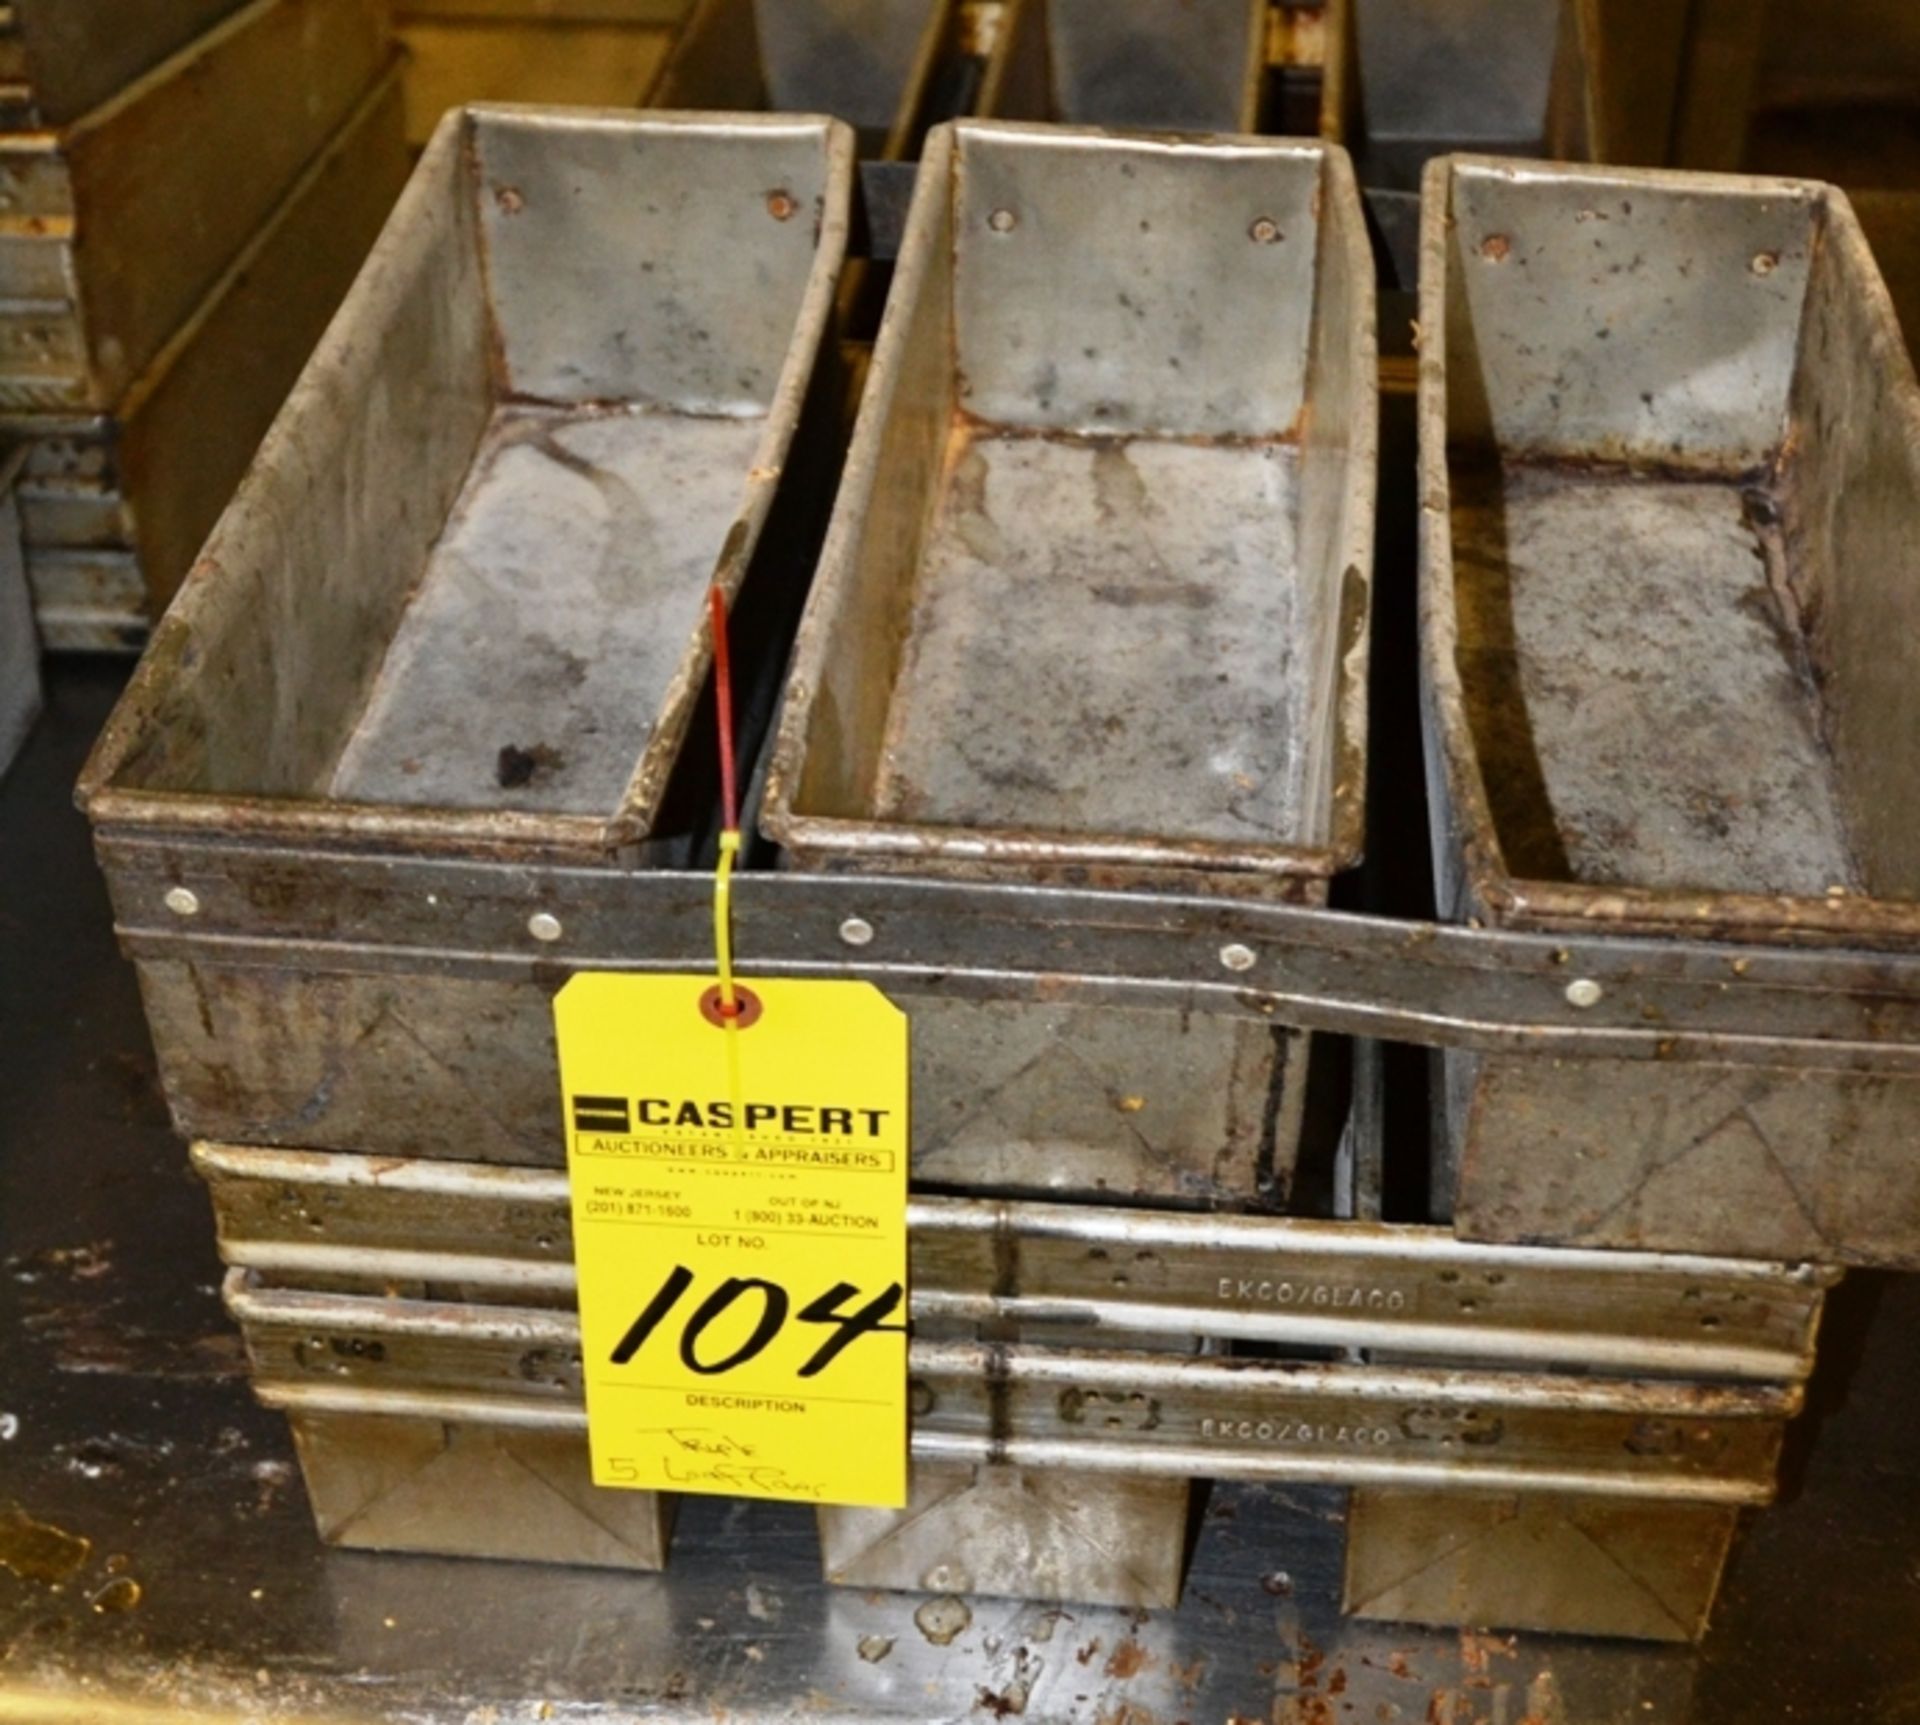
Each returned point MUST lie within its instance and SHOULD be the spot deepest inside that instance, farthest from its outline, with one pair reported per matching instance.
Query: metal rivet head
(781, 206)
(857, 931)
(543, 925)
(1237, 957)
(183, 901)
(1001, 221)
(1584, 992)
(1265, 232)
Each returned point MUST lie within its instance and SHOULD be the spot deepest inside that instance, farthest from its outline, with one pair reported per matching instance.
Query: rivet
(543, 925)
(1237, 957)
(1584, 992)
(857, 931)
(780, 206)
(1265, 231)
(183, 901)
(1001, 221)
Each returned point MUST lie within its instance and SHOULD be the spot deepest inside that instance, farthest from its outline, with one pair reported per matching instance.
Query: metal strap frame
(1157, 1415)
(375, 1223)
(1558, 996)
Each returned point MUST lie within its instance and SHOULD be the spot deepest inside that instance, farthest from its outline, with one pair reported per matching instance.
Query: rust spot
(1129, 1660)
(1496, 248)
(780, 205)
(509, 199)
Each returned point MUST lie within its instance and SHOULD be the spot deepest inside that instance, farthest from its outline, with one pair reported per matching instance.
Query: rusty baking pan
(114, 507)
(458, 607)
(1118, 446)
(1193, 66)
(1669, 438)
(115, 226)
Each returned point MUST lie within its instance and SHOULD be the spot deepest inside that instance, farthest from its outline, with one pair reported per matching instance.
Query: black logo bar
(601, 1114)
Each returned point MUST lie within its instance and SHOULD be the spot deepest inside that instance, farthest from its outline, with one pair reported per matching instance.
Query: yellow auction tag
(739, 1220)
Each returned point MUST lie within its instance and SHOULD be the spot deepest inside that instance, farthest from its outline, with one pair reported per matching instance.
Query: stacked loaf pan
(185, 207)
(1118, 437)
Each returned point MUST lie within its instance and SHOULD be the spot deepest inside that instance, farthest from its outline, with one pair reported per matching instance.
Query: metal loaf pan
(458, 607)
(1198, 66)
(1670, 445)
(115, 226)
(1093, 604)
(1093, 609)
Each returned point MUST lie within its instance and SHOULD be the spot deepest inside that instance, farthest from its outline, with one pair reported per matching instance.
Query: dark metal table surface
(156, 1560)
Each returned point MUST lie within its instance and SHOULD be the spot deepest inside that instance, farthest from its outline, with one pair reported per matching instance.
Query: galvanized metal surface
(137, 1433)
(115, 507)
(1196, 66)
(1564, 1565)
(727, 259)
(65, 56)
(409, 1225)
(1665, 443)
(117, 225)
(1010, 404)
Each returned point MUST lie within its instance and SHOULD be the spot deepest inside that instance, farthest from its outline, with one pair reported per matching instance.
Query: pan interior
(1105, 639)
(553, 612)
(1638, 682)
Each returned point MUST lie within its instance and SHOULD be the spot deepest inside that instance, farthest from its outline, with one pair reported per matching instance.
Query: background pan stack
(182, 214)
